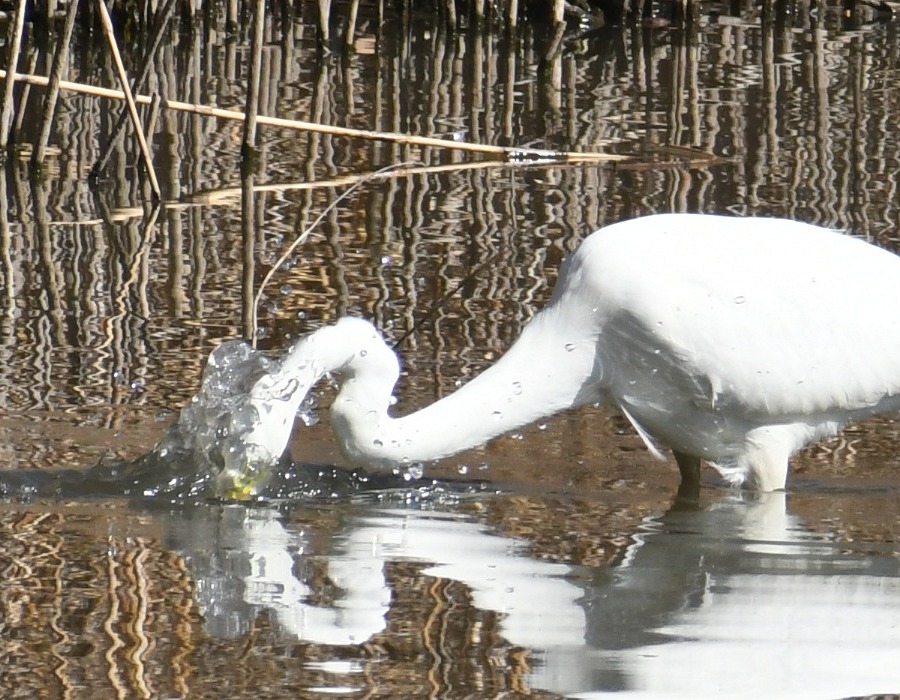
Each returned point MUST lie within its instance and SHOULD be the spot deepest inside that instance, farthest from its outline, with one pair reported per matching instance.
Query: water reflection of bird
(732, 340)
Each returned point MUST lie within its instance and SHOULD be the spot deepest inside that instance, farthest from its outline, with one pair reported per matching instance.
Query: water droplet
(363, 353)
(542, 426)
(392, 401)
(497, 414)
(570, 347)
(285, 289)
(740, 299)
(463, 469)
(377, 443)
(517, 388)
(413, 471)
(483, 467)
(386, 260)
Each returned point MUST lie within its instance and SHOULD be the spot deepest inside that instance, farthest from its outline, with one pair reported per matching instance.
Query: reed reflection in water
(106, 318)
(740, 595)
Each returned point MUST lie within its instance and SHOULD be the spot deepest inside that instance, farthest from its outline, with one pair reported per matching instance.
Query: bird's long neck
(544, 372)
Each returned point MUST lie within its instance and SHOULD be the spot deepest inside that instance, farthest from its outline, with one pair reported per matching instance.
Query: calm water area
(550, 563)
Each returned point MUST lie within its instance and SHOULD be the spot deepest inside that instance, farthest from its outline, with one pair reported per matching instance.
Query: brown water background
(107, 316)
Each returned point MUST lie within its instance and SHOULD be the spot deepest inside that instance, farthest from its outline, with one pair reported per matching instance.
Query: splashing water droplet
(308, 411)
(413, 472)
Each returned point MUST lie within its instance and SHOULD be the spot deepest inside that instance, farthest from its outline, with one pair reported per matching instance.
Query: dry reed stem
(106, 21)
(509, 153)
(227, 195)
(13, 58)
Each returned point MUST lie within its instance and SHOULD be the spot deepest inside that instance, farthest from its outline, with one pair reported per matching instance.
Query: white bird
(731, 340)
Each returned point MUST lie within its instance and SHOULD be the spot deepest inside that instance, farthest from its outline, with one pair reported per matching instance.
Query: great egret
(732, 340)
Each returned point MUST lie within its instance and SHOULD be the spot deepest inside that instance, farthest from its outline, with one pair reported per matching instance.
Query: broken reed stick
(225, 196)
(162, 23)
(129, 99)
(509, 153)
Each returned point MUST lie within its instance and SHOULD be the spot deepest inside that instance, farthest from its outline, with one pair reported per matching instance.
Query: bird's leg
(689, 488)
(689, 466)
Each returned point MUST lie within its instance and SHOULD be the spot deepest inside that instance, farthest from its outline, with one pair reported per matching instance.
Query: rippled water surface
(550, 563)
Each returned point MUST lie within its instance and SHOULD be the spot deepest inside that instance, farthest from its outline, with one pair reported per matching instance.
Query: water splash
(203, 454)
(227, 442)
(210, 430)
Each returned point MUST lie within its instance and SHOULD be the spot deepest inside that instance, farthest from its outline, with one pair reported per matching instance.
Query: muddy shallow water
(551, 562)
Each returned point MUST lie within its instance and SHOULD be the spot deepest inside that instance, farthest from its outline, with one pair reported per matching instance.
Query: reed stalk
(510, 153)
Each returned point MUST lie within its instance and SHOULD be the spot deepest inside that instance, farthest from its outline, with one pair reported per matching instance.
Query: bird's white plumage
(779, 317)
(737, 340)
